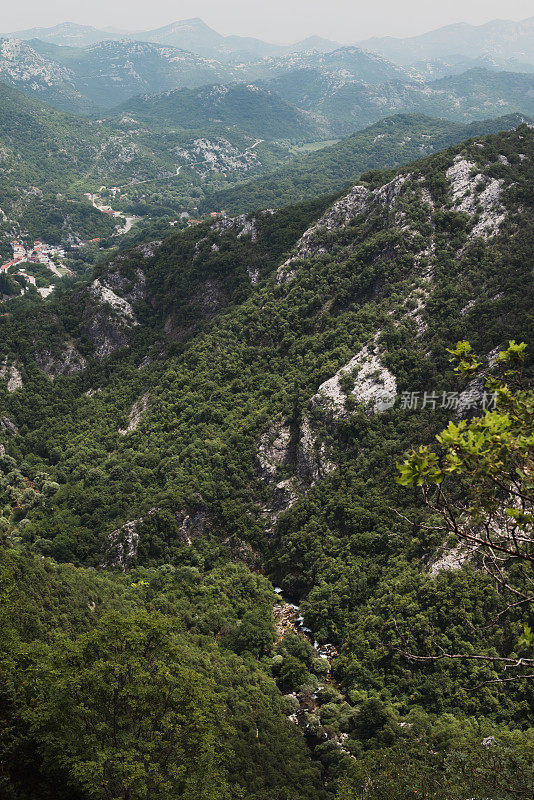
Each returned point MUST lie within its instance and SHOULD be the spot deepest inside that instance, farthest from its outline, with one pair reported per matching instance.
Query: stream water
(289, 617)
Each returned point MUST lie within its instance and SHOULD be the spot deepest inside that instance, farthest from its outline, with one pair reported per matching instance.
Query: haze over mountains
(340, 89)
(190, 34)
(196, 114)
(233, 276)
(219, 413)
(502, 40)
(499, 40)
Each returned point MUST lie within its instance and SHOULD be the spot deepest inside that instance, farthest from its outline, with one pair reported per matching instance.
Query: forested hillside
(110, 72)
(222, 412)
(389, 143)
(349, 103)
(49, 161)
(250, 108)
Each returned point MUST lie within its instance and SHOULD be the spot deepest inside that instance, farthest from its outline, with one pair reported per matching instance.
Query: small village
(39, 253)
(213, 215)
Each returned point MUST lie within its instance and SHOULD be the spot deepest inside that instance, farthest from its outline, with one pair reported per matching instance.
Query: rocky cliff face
(471, 189)
(68, 361)
(275, 374)
(136, 415)
(365, 379)
(477, 194)
(109, 316)
(11, 374)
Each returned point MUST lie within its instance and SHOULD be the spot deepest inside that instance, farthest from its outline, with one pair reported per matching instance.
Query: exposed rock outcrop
(136, 415)
(148, 249)
(359, 201)
(312, 461)
(67, 362)
(243, 225)
(109, 318)
(273, 449)
(7, 426)
(367, 380)
(123, 544)
(119, 305)
(449, 561)
(192, 524)
(11, 374)
(212, 296)
(254, 275)
(476, 193)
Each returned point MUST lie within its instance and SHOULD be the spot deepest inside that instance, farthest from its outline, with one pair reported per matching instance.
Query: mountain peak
(187, 24)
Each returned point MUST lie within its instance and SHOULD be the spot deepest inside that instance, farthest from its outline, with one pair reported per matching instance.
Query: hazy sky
(274, 20)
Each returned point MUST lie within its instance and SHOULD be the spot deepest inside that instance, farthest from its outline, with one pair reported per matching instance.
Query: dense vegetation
(389, 143)
(49, 160)
(253, 109)
(149, 684)
(184, 432)
(352, 104)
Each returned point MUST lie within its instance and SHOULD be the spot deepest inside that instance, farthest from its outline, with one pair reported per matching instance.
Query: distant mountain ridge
(506, 40)
(332, 93)
(66, 33)
(105, 74)
(502, 39)
(189, 34)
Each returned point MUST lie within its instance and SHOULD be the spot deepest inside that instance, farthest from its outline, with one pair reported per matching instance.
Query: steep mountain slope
(252, 109)
(25, 69)
(499, 38)
(395, 249)
(81, 79)
(389, 143)
(110, 72)
(50, 160)
(68, 34)
(349, 104)
(185, 653)
(243, 390)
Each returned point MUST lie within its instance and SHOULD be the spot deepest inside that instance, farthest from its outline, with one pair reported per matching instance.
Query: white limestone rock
(242, 225)
(359, 201)
(449, 561)
(254, 275)
(67, 362)
(121, 307)
(273, 449)
(136, 415)
(11, 374)
(123, 544)
(373, 385)
(465, 182)
(312, 458)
